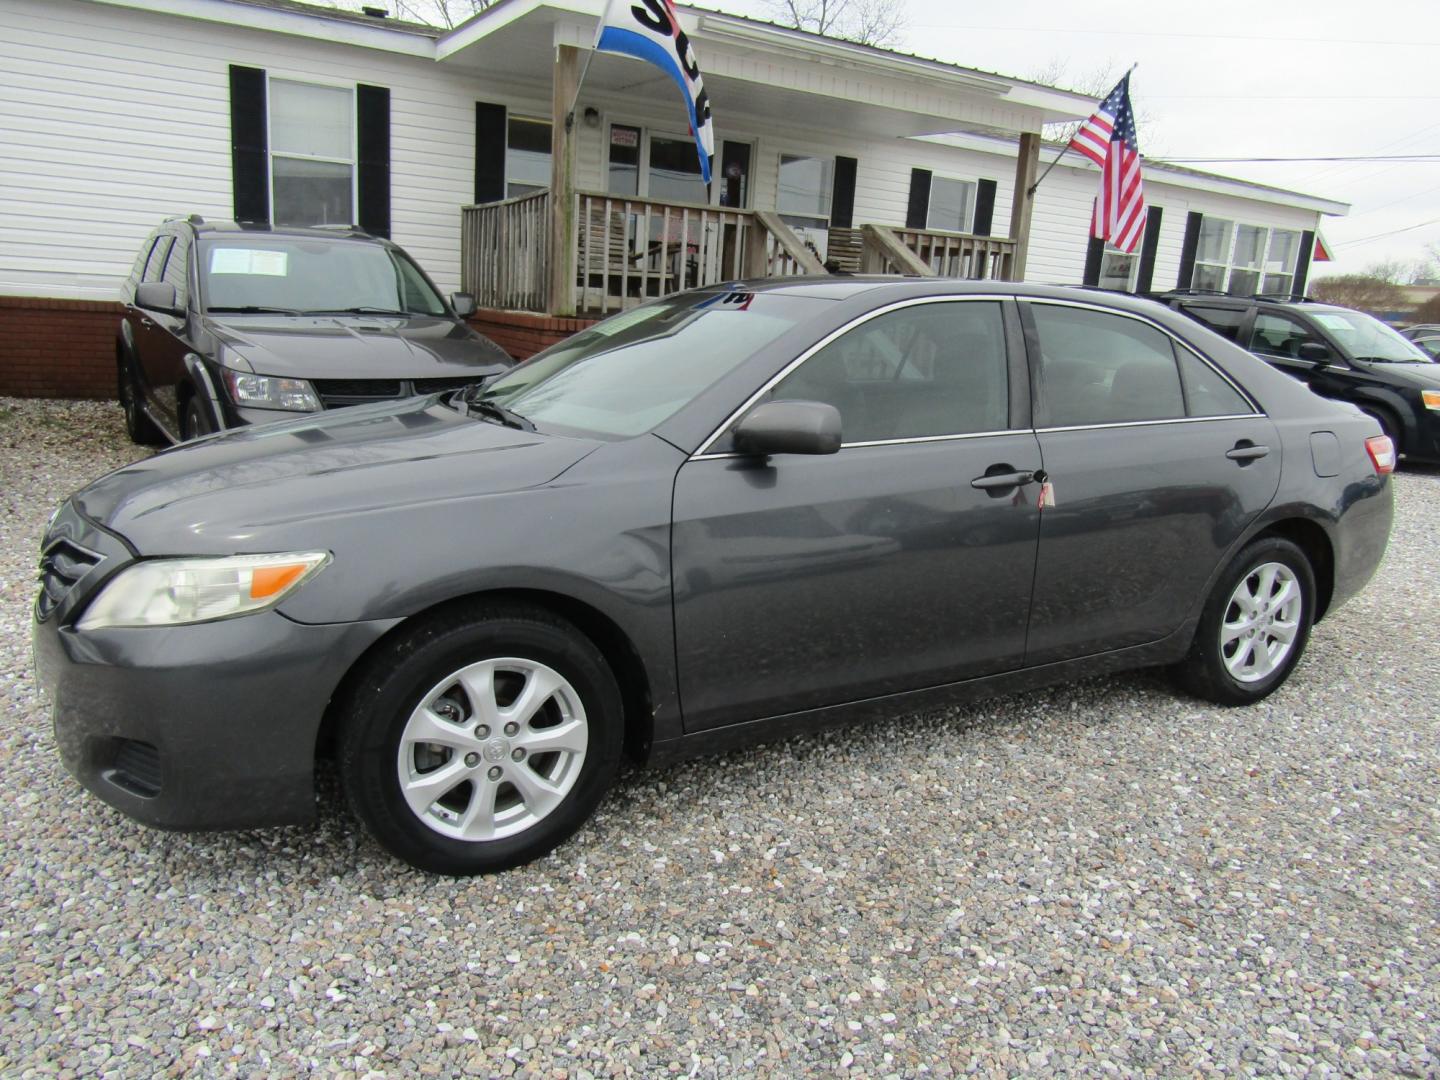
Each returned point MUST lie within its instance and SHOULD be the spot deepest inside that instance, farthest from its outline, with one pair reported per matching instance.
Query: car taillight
(1382, 453)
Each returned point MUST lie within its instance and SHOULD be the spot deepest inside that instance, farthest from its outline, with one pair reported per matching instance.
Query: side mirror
(157, 296)
(463, 303)
(789, 427)
(1315, 353)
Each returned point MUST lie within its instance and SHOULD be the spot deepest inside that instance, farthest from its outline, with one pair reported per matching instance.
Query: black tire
(138, 425)
(193, 420)
(380, 704)
(1204, 672)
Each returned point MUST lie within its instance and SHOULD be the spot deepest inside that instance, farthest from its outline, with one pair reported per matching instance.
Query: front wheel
(193, 421)
(1255, 625)
(481, 743)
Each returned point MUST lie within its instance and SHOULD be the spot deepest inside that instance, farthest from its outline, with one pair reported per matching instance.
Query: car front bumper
(206, 726)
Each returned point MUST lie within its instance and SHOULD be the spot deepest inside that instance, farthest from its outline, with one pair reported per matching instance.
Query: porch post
(1026, 166)
(562, 182)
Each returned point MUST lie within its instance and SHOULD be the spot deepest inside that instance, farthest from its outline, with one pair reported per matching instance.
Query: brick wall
(57, 348)
(522, 333)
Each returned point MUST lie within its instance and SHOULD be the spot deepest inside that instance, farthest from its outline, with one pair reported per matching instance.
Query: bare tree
(869, 22)
(1364, 292)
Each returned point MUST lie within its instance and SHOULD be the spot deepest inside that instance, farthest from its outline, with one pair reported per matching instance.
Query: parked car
(227, 325)
(1427, 336)
(1339, 353)
(726, 515)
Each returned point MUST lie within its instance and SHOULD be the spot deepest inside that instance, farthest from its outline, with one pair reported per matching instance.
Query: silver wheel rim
(492, 749)
(1261, 622)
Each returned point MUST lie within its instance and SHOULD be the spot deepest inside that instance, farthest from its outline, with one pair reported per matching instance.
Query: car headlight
(172, 592)
(1431, 398)
(271, 392)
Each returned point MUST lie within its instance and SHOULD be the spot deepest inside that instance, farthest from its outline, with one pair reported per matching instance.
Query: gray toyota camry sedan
(726, 515)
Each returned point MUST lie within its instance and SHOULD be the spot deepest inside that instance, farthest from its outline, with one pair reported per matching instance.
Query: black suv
(229, 324)
(1339, 353)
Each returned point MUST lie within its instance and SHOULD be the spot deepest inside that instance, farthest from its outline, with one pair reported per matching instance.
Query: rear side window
(1206, 391)
(1097, 368)
(916, 372)
(1224, 321)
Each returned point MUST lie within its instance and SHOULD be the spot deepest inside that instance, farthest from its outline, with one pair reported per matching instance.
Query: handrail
(787, 244)
(960, 255)
(882, 241)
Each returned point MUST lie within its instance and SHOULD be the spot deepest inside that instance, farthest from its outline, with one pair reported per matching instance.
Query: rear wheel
(473, 745)
(1255, 625)
(138, 425)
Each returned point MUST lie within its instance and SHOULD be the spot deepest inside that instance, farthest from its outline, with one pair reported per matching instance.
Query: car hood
(224, 493)
(354, 346)
(1423, 376)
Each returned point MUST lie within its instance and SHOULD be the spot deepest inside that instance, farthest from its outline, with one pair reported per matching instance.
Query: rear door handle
(991, 481)
(1247, 453)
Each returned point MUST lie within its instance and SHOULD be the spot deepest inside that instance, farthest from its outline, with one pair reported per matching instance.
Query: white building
(117, 113)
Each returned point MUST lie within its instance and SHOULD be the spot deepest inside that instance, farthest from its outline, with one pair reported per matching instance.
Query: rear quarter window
(1224, 321)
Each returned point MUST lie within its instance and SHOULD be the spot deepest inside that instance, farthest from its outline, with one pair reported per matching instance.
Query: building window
(952, 205)
(803, 198)
(1118, 270)
(312, 158)
(527, 157)
(1243, 260)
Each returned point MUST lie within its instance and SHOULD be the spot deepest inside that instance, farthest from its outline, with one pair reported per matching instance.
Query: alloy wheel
(1262, 621)
(492, 749)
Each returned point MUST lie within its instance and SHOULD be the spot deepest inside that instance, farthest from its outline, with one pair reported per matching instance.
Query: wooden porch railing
(504, 253)
(633, 249)
(958, 255)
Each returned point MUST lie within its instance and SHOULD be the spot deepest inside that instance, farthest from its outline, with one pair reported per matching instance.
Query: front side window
(952, 204)
(1279, 335)
(259, 273)
(155, 265)
(1245, 260)
(1097, 368)
(312, 158)
(527, 157)
(175, 268)
(921, 371)
(634, 370)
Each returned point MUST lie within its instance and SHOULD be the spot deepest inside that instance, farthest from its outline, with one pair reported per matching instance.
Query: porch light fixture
(592, 116)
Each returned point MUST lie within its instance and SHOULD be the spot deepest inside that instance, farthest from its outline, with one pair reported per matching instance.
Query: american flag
(1108, 139)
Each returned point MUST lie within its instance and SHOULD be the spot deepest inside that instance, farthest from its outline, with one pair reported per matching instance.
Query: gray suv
(232, 324)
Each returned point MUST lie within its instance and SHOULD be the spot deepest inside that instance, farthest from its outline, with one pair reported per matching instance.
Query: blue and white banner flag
(649, 31)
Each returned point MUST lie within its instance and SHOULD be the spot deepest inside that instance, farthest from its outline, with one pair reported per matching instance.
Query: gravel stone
(1103, 878)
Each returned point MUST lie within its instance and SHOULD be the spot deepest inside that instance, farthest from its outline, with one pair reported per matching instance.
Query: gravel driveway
(1100, 878)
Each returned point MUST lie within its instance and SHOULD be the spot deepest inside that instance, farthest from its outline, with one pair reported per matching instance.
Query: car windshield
(625, 375)
(1364, 337)
(258, 273)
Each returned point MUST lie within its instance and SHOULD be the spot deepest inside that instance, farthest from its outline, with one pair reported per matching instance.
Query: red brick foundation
(523, 333)
(57, 348)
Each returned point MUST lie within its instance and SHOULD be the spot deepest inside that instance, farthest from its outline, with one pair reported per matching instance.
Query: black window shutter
(1188, 249)
(1302, 265)
(372, 109)
(984, 207)
(842, 198)
(490, 143)
(1145, 281)
(1093, 254)
(916, 217)
(249, 151)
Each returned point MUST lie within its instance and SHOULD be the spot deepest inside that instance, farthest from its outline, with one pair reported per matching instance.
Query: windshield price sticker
(256, 261)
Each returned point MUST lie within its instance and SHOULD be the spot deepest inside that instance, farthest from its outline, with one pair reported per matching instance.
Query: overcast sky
(1241, 78)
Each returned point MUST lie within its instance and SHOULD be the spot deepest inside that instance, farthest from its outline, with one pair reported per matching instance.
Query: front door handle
(1247, 452)
(991, 481)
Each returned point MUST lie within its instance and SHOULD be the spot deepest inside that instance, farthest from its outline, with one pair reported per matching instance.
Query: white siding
(112, 118)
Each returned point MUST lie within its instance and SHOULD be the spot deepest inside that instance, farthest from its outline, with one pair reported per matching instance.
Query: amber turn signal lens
(266, 581)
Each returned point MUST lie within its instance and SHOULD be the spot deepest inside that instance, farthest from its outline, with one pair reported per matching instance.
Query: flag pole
(1067, 145)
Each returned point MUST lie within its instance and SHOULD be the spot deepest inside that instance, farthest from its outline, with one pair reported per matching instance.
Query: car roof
(888, 287)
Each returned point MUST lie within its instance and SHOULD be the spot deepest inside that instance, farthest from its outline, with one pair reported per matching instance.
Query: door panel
(1142, 516)
(811, 581)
